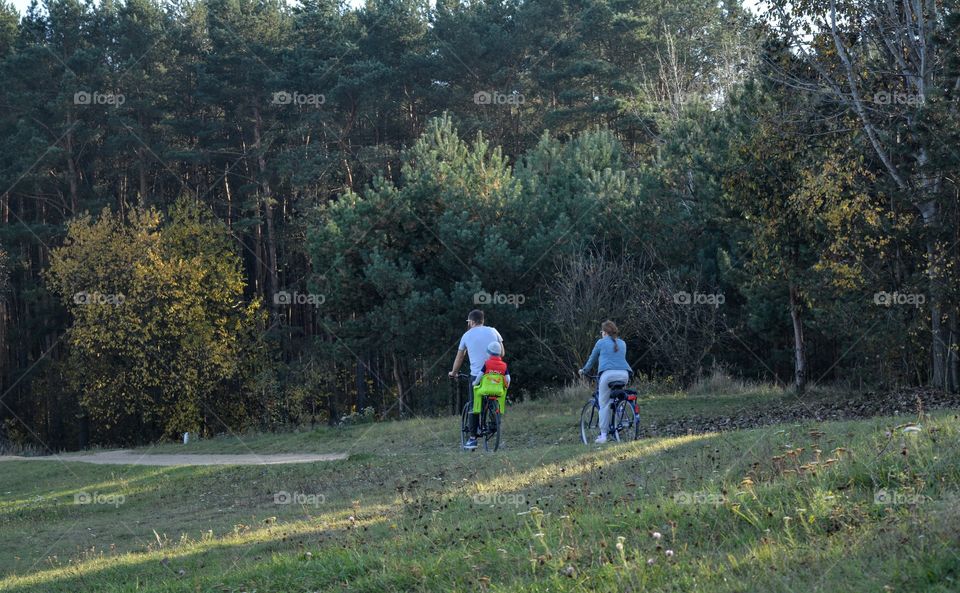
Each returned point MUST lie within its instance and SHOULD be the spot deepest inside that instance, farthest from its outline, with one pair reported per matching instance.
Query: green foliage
(363, 416)
(460, 224)
(161, 335)
(688, 139)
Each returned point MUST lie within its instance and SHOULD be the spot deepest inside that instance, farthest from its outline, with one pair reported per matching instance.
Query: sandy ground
(126, 457)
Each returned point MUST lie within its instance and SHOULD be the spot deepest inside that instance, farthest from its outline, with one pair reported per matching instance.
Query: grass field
(870, 505)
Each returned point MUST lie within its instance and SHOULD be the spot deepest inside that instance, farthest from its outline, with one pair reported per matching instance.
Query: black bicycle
(624, 414)
(488, 425)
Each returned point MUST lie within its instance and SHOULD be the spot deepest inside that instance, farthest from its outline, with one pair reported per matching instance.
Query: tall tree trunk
(397, 379)
(258, 272)
(226, 189)
(953, 353)
(4, 354)
(71, 170)
(799, 348)
(929, 186)
(142, 177)
(271, 239)
(938, 345)
(142, 168)
(361, 383)
(6, 320)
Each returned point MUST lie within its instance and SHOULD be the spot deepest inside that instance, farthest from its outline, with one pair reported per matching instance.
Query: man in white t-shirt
(474, 344)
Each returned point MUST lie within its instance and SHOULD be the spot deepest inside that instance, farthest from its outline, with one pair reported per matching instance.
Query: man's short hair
(476, 316)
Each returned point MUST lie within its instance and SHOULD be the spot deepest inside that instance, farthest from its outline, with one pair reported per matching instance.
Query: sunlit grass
(783, 508)
(551, 416)
(544, 473)
(241, 536)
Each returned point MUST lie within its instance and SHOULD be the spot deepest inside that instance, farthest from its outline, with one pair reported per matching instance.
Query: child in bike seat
(493, 381)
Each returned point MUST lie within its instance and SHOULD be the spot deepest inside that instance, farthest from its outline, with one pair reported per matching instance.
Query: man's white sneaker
(601, 439)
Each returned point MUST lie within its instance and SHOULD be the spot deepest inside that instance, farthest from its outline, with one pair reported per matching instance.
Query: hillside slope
(865, 505)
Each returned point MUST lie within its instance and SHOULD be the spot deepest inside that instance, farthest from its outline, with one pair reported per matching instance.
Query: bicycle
(488, 425)
(624, 414)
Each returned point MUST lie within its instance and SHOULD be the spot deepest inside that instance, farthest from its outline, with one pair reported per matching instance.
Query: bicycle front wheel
(491, 419)
(589, 423)
(465, 423)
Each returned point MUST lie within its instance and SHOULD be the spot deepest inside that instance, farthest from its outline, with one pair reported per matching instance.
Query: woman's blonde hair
(611, 329)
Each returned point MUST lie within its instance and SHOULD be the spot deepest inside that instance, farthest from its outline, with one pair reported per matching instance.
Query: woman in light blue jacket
(610, 356)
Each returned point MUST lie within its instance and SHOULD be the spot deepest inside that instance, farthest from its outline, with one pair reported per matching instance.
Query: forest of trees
(229, 214)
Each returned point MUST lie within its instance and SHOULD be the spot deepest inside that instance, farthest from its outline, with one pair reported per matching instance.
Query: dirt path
(126, 457)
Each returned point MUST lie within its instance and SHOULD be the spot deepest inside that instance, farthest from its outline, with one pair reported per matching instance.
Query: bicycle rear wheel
(589, 423)
(625, 424)
(490, 419)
